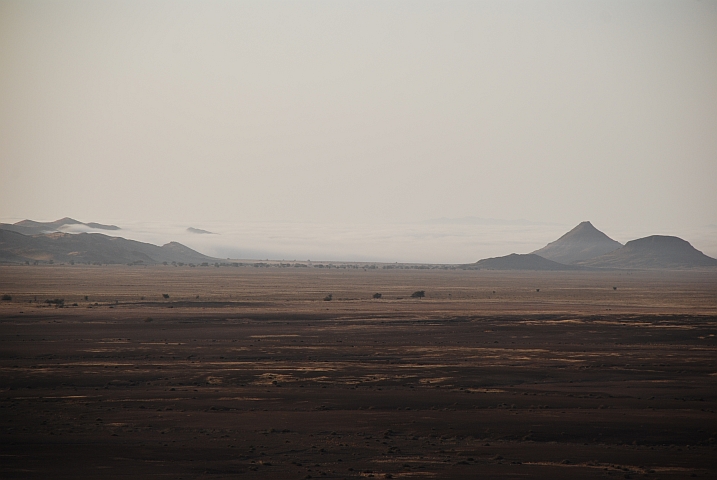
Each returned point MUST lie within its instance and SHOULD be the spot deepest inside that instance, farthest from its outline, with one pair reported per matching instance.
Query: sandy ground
(247, 373)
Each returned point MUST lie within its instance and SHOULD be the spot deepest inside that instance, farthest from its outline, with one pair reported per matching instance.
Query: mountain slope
(31, 227)
(516, 261)
(91, 247)
(656, 251)
(579, 244)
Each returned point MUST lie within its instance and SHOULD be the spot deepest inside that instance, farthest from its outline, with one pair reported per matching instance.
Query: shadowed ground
(260, 378)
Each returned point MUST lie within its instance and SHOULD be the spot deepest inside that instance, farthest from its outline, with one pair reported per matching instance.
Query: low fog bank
(410, 243)
(419, 243)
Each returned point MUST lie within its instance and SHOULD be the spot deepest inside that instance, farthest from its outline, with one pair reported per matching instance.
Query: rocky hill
(579, 244)
(31, 227)
(91, 248)
(516, 261)
(656, 251)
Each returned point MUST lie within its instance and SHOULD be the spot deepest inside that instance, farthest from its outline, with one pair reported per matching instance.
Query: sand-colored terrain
(247, 372)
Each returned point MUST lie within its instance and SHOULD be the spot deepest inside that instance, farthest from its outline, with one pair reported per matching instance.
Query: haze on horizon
(204, 113)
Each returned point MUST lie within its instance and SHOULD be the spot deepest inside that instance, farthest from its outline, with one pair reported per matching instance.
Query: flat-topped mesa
(655, 251)
(582, 243)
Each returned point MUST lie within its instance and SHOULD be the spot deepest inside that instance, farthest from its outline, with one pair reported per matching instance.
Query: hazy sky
(363, 112)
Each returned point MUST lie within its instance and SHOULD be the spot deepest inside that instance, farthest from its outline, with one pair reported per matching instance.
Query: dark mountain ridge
(91, 248)
(31, 227)
(655, 251)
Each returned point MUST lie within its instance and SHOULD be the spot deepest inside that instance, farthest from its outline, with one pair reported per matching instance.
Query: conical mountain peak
(581, 243)
(585, 230)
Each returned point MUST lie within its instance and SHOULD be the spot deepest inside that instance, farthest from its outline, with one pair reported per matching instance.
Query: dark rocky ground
(293, 390)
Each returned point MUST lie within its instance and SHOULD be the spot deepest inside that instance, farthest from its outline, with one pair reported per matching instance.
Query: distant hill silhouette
(579, 244)
(656, 251)
(516, 261)
(200, 231)
(31, 227)
(91, 247)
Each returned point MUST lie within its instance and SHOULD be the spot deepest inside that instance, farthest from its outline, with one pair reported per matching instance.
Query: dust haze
(359, 112)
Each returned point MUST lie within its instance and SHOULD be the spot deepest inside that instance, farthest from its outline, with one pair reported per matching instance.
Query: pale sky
(360, 112)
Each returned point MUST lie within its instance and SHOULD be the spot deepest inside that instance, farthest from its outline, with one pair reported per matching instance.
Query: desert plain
(248, 372)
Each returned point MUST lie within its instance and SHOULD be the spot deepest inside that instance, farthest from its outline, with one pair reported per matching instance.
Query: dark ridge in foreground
(91, 248)
(579, 244)
(655, 251)
(516, 261)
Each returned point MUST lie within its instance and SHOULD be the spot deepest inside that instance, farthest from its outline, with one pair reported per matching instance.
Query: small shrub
(57, 301)
(328, 298)
(418, 294)
(377, 295)
(149, 319)
(6, 298)
(165, 295)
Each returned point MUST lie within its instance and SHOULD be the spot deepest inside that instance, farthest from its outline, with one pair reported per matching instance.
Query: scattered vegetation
(418, 294)
(6, 298)
(165, 295)
(60, 302)
(377, 295)
(328, 298)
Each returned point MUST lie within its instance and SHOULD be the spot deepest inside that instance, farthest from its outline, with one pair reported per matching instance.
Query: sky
(364, 117)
